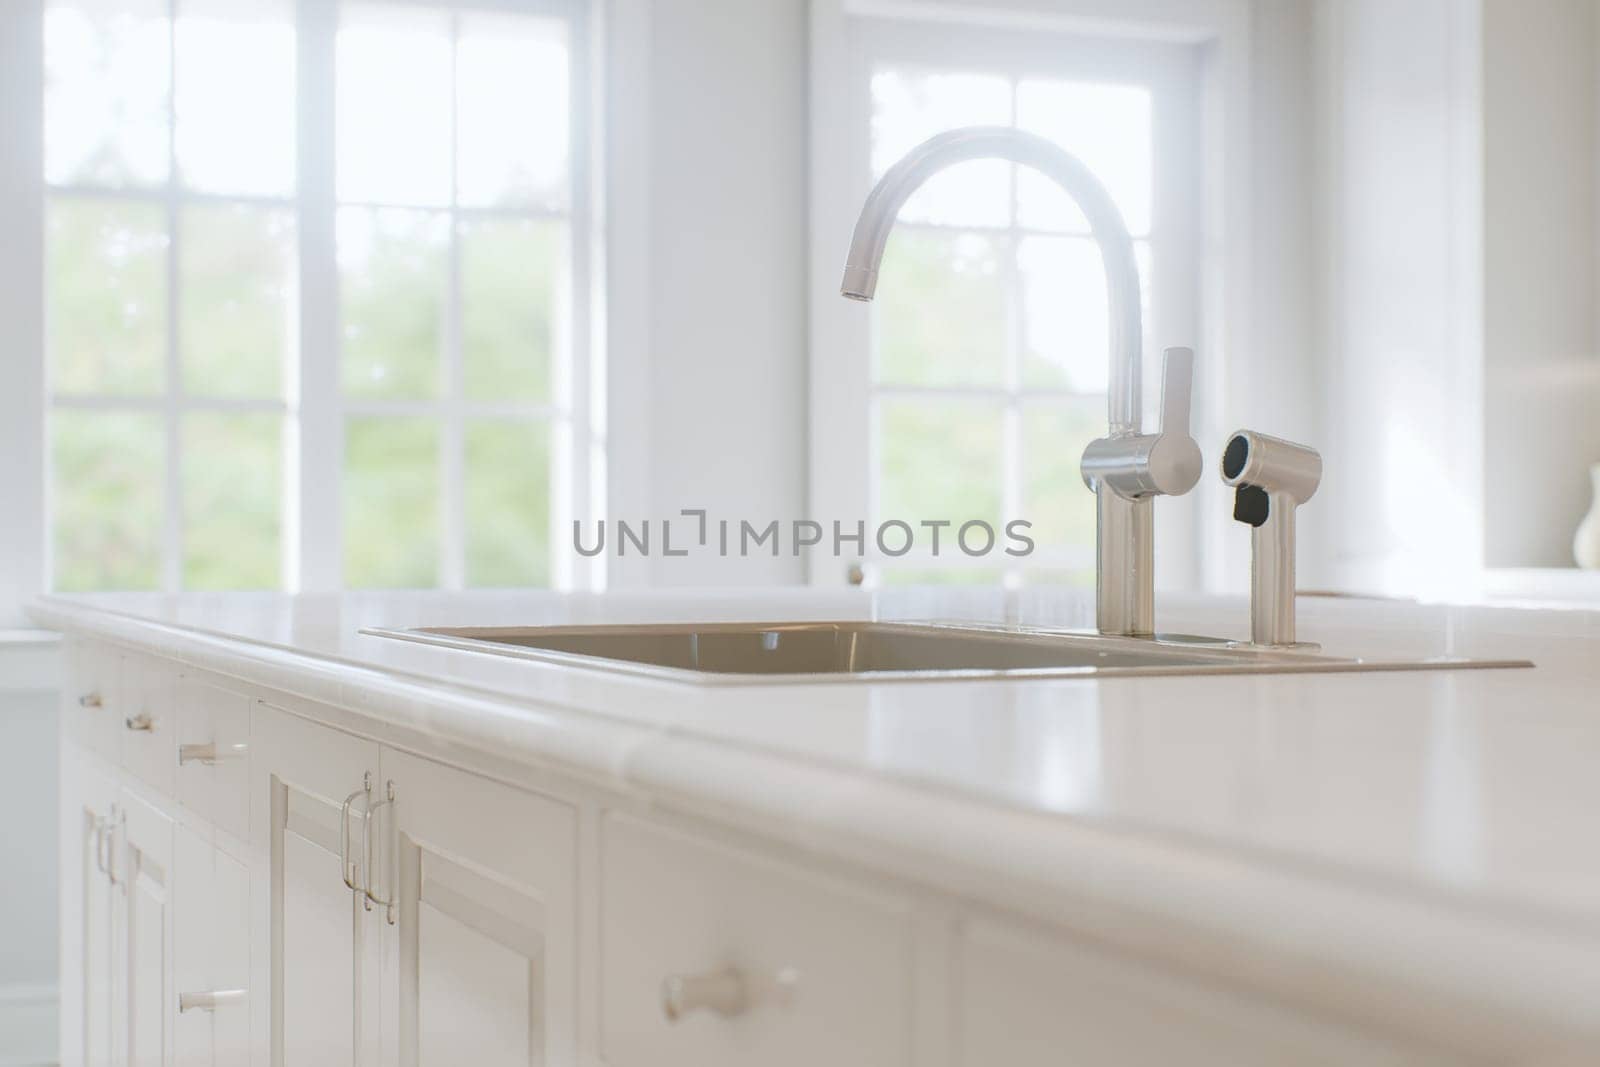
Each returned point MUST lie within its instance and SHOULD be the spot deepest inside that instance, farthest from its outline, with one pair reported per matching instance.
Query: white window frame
(313, 406)
(1063, 39)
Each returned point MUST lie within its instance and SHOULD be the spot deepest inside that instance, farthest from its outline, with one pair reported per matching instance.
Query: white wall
(28, 676)
(1400, 145)
(1542, 373)
(21, 313)
(707, 317)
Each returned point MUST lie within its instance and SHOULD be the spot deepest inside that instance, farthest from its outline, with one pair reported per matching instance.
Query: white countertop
(1363, 821)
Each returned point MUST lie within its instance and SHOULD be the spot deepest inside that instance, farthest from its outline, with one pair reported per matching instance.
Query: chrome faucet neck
(883, 204)
(1126, 468)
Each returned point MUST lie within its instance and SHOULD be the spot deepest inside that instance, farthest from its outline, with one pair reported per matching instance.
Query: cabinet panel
(484, 880)
(322, 965)
(87, 814)
(91, 696)
(191, 939)
(1030, 997)
(230, 960)
(213, 754)
(147, 915)
(815, 969)
(149, 721)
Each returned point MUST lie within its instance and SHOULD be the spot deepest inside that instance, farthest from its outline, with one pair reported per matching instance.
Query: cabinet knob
(141, 722)
(91, 700)
(727, 992)
(209, 1001)
(724, 992)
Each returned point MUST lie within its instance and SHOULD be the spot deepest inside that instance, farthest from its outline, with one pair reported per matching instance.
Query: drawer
(213, 754)
(772, 964)
(211, 955)
(149, 720)
(1026, 996)
(91, 696)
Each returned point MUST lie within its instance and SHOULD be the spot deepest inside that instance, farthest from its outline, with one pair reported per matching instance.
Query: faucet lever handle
(1177, 389)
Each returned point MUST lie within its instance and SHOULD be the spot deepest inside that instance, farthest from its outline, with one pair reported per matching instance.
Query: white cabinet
(213, 755)
(211, 955)
(1028, 996)
(764, 962)
(88, 814)
(483, 882)
(144, 913)
(436, 902)
(243, 884)
(320, 970)
(149, 720)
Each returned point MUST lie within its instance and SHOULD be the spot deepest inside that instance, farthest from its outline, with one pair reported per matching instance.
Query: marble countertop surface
(1439, 828)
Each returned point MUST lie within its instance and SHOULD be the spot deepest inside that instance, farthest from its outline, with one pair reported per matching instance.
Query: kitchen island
(287, 842)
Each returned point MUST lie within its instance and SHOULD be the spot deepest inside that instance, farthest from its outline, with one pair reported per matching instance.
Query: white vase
(1586, 542)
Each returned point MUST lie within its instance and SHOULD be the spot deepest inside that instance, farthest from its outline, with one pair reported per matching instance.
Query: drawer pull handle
(140, 723)
(217, 998)
(91, 700)
(724, 992)
(206, 754)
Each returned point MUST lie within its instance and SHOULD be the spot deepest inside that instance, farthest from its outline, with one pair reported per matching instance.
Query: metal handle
(91, 700)
(1177, 390)
(106, 845)
(209, 754)
(140, 723)
(388, 906)
(346, 869)
(99, 844)
(209, 1001)
(727, 992)
(197, 753)
(724, 992)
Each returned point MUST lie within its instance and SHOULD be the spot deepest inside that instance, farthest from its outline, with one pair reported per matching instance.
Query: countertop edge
(1411, 961)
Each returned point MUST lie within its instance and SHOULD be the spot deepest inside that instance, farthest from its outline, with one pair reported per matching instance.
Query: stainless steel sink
(795, 652)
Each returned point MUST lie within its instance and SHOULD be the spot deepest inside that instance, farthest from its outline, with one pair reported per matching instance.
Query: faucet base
(1125, 547)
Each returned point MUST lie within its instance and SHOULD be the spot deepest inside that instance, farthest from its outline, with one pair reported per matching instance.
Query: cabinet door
(146, 912)
(88, 810)
(211, 955)
(192, 914)
(321, 970)
(483, 948)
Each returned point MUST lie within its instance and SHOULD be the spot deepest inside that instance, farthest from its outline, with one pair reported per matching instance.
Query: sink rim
(1224, 657)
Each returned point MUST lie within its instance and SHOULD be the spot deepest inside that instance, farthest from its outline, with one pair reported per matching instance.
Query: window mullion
(313, 520)
(172, 539)
(452, 542)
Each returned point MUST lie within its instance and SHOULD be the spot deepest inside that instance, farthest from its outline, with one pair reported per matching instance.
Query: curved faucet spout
(1105, 222)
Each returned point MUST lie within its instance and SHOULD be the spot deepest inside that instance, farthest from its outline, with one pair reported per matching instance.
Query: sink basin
(794, 652)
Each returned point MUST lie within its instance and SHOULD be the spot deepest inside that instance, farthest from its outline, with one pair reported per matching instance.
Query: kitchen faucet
(1126, 469)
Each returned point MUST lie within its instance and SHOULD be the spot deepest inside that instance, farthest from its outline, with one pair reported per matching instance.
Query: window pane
(391, 498)
(513, 295)
(910, 107)
(394, 105)
(106, 499)
(237, 286)
(1106, 126)
(106, 296)
(511, 111)
(940, 459)
(508, 503)
(1054, 498)
(393, 280)
(106, 91)
(232, 488)
(235, 96)
(1065, 320)
(940, 315)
